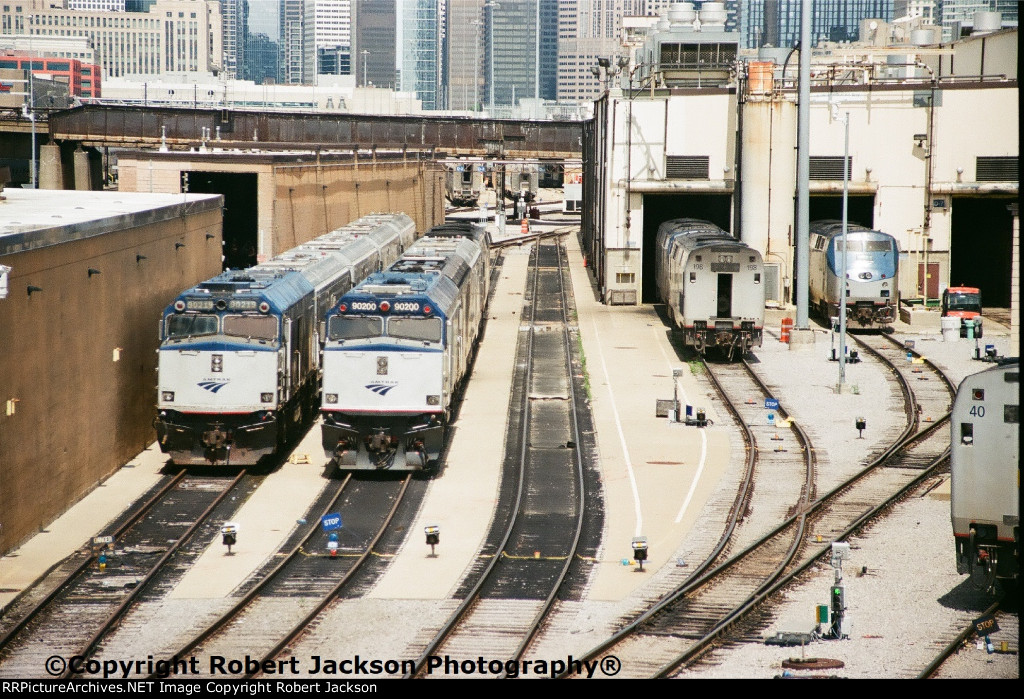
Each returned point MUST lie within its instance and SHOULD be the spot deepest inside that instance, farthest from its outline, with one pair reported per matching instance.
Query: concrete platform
(657, 475)
(461, 499)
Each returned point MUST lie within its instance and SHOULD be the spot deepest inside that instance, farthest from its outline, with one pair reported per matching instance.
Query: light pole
(366, 57)
(31, 110)
(842, 280)
(490, 27)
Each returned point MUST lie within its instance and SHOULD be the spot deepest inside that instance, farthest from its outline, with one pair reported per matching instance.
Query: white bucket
(950, 329)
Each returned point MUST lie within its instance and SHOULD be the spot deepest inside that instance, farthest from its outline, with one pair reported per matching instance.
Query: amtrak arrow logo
(212, 386)
(379, 388)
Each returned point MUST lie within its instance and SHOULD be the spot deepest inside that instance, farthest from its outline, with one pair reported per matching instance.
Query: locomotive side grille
(829, 167)
(996, 169)
(687, 167)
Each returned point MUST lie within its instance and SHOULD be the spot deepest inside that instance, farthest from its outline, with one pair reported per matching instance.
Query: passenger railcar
(239, 360)
(522, 181)
(397, 346)
(464, 183)
(985, 472)
(872, 259)
(712, 285)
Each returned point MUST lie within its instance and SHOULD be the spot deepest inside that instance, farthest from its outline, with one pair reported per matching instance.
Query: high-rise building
(521, 50)
(173, 36)
(373, 42)
(327, 30)
(461, 67)
(777, 22)
(589, 30)
(418, 38)
(291, 18)
(233, 15)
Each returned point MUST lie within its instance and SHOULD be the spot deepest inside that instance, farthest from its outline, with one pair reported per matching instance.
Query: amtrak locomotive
(397, 346)
(872, 296)
(984, 468)
(712, 285)
(238, 362)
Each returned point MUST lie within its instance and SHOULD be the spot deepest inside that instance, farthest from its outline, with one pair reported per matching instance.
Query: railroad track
(531, 550)
(725, 603)
(1004, 611)
(278, 603)
(75, 615)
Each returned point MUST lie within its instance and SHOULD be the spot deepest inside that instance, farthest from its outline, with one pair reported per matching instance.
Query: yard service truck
(963, 302)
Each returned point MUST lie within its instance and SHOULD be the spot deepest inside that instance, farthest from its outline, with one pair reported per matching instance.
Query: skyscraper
(418, 38)
(373, 42)
(461, 73)
(521, 39)
(777, 22)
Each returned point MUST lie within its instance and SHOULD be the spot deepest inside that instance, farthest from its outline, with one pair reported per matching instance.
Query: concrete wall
(78, 358)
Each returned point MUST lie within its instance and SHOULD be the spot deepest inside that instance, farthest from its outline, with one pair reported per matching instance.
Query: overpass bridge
(122, 126)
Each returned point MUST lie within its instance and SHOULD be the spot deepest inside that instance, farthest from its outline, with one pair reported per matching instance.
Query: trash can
(950, 329)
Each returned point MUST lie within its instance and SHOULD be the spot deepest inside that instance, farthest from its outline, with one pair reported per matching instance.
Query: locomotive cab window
(253, 327)
(191, 325)
(355, 328)
(426, 329)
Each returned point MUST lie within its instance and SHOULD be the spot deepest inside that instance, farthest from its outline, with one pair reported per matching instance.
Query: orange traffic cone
(524, 227)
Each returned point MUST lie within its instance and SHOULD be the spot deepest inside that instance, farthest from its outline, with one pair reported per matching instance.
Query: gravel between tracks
(902, 590)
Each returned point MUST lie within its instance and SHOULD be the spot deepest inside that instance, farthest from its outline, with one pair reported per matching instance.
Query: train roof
(284, 279)
(831, 228)
(433, 268)
(461, 229)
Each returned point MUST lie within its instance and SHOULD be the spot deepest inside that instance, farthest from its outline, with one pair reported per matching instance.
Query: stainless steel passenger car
(712, 285)
(985, 472)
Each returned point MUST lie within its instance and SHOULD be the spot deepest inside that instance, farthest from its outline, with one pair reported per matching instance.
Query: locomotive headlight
(266, 398)
(885, 293)
(217, 363)
(167, 396)
(332, 398)
(264, 307)
(179, 305)
(433, 400)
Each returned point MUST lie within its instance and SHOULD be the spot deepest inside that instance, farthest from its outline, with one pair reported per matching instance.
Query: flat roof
(37, 218)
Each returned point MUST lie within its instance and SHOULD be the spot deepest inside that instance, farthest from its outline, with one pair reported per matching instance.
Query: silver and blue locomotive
(239, 358)
(397, 346)
(872, 259)
(712, 285)
(985, 473)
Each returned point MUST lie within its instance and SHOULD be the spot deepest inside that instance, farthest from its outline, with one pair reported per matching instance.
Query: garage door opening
(658, 208)
(240, 212)
(981, 247)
